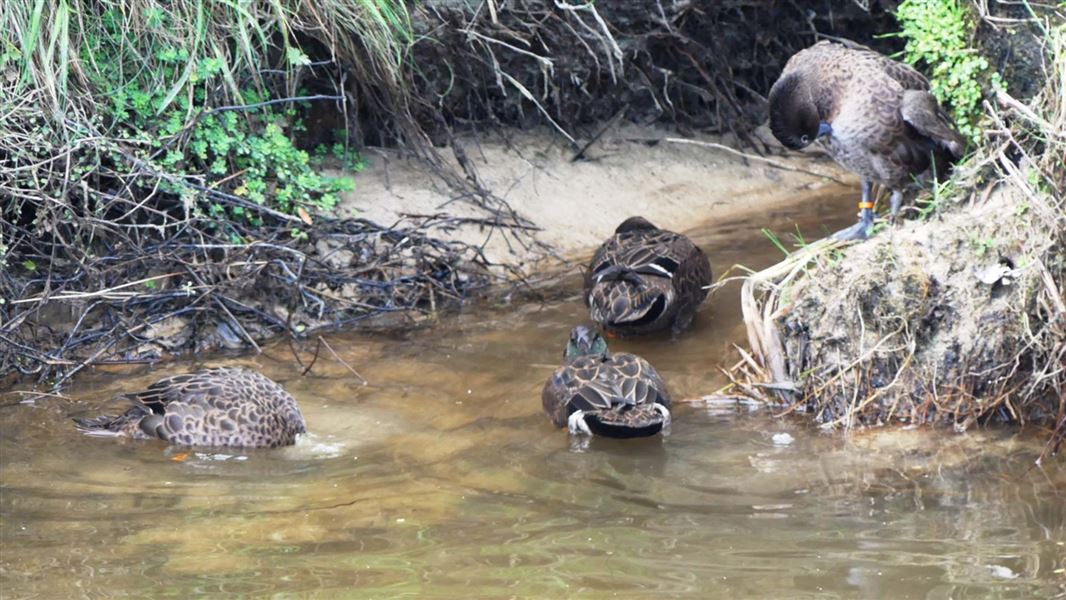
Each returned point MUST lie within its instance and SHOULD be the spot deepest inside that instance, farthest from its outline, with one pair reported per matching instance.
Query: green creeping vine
(939, 34)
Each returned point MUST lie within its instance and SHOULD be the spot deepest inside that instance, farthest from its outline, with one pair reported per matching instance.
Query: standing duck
(227, 406)
(598, 393)
(644, 279)
(876, 116)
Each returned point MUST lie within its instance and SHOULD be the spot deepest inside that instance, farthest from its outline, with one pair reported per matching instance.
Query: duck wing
(905, 75)
(564, 386)
(641, 383)
(652, 253)
(620, 380)
(921, 111)
(145, 419)
(694, 274)
(184, 407)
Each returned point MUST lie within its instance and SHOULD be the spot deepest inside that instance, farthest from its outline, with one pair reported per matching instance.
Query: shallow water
(441, 478)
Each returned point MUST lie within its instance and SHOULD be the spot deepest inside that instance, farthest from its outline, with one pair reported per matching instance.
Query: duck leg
(665, 412)
(897, 200)
(864, 228)
(577, 423)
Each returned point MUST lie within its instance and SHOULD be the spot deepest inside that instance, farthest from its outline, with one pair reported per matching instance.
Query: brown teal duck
(876, 117)
(644, 279)
(227, 406)
(599, 393)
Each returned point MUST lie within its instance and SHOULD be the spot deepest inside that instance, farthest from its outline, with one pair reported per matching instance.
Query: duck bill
(824, 129)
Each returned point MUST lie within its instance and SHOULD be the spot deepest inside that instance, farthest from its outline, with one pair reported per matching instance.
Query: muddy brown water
(441, 478)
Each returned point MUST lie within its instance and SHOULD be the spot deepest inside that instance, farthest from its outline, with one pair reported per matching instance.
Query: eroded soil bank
(575, 204)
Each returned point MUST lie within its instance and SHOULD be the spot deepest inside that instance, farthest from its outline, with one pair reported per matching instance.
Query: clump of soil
(930, 322)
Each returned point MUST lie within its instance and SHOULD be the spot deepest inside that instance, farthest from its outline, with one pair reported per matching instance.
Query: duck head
(635, 224)
(585, 341)
(794, 118)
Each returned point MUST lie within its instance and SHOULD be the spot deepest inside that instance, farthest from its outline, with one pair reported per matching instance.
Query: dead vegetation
(194, 289)
(703, 65)
(958, 318)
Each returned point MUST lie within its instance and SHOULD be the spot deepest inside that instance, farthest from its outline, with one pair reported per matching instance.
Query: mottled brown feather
(217, 407)
(617, 389)
(886, 127)
(641, 298)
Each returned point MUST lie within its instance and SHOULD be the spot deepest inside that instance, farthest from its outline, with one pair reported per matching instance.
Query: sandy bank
(576, 204)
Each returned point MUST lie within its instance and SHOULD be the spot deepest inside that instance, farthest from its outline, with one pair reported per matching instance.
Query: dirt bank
(575, 205)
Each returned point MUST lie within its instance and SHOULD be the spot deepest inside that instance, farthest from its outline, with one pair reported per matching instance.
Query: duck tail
(629, 422)
(125, 424)
(621, 432)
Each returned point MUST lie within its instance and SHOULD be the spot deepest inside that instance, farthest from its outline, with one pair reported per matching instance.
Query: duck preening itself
(875, 115)
(644, 279)
(599, 393)
(217, 407)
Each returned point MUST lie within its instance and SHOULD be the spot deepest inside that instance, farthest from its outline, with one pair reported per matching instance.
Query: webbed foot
(859, 231)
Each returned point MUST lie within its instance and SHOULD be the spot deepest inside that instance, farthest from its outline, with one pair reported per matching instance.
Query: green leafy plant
(939, 35)
(349, 159)
(244, 152)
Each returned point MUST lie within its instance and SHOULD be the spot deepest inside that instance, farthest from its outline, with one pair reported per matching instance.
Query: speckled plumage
(217, 407)
(616, 392)
(644, 279)
(884, 124)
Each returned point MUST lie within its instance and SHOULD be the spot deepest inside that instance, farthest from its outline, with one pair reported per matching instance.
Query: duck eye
(805, 139)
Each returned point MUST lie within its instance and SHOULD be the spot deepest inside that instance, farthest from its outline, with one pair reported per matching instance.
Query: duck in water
(875, 115)
(217, 407)
(644, 279)
(599, 393)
